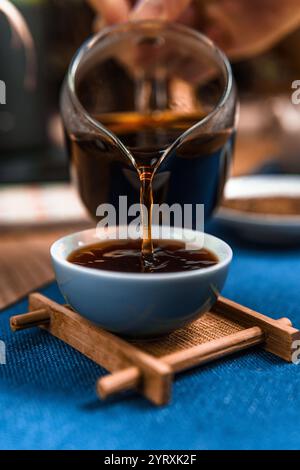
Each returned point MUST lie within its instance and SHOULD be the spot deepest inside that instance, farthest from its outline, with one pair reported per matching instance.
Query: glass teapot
(149, 97)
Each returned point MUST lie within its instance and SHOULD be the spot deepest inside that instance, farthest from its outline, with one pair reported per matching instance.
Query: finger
(111, 11)
(242, 32)
(159, 9)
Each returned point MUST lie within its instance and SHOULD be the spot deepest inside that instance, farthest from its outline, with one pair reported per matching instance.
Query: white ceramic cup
(140, 305)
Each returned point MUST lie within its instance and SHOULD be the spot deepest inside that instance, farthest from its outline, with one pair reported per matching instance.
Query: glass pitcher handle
(21, 34)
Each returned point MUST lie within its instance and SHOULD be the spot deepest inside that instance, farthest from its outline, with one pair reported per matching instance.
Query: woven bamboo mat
(25, 263)
(209, 327)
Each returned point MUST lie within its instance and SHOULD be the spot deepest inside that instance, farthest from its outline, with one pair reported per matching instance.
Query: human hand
(242, 28)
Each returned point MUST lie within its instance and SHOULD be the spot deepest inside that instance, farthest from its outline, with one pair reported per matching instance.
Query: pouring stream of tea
(146, 91)
(146, 201)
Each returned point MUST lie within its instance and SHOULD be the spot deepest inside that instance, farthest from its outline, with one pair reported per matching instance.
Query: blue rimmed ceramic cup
(140, 305)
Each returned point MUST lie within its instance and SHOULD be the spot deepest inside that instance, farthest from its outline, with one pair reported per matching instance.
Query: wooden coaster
(149, 366)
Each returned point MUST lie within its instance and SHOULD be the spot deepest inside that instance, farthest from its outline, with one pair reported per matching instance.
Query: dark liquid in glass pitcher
(193, 173)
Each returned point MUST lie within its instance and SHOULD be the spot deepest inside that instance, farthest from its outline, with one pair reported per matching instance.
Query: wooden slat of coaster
(209, 327)
(103, 347)
(279, 340)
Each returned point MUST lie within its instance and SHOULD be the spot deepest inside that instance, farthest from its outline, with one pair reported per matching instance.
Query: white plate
(264, 228)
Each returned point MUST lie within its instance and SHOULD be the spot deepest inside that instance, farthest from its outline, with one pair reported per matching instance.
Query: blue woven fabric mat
(248, 401)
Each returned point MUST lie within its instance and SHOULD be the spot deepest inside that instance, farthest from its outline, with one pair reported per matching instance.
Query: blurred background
(31, 144)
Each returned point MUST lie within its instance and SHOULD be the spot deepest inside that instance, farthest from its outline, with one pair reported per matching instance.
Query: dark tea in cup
(169, 256)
